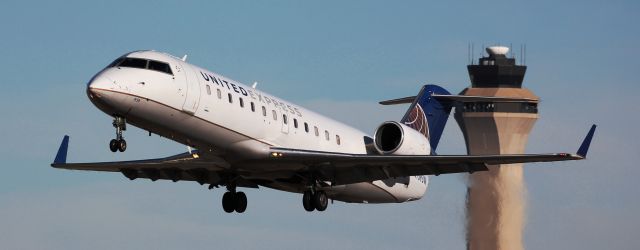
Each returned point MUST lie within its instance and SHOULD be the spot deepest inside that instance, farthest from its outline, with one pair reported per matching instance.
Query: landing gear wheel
(122, 145)
(320, 200)
(307, 201)
(240, 202)
(228, 202)
(113, 145)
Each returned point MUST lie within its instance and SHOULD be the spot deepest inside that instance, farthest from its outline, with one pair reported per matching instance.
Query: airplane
(246, 138)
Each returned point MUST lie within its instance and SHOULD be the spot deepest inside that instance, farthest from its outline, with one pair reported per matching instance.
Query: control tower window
(134, 63)
(160, 66)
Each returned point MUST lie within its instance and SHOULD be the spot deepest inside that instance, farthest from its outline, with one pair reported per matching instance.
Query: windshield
(134, 63)
(139, 63)
(160, 66)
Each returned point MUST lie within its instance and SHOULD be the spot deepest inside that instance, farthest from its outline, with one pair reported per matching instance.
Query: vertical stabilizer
(428, 115)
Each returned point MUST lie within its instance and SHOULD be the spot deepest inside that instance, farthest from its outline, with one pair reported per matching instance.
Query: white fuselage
(215, 114)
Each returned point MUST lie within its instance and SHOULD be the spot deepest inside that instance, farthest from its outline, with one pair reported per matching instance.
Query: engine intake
(393, 138)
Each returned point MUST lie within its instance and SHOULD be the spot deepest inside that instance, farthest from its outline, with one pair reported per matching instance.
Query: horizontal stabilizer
(464, 98)
(459, 98)
(404, 100)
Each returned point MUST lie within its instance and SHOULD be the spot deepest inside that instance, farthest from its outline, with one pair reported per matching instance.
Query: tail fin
(429, 115)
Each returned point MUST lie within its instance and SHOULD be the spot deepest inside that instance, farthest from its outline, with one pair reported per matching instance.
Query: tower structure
(495, 202)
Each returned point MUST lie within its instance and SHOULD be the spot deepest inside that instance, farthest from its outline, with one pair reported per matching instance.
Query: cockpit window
(134, 63)
(139, 63)
(160, 66)
(115, 62)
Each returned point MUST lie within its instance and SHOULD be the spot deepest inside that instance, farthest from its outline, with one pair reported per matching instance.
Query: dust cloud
(496, 208)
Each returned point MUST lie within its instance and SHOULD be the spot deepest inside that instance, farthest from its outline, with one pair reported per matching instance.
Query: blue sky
(339, 58)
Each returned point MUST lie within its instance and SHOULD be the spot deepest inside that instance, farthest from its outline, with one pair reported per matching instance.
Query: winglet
(584, 148)
(61, 156)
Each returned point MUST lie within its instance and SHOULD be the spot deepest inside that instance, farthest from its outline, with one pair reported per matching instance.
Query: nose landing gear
(118, 144)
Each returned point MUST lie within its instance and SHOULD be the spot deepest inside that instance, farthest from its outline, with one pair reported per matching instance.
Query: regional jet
(245, 138)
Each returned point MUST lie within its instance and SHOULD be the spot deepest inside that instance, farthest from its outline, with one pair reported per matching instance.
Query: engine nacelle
(394, 138)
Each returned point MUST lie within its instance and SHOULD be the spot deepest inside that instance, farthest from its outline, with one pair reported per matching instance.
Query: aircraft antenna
(254, 85)
(184, 58)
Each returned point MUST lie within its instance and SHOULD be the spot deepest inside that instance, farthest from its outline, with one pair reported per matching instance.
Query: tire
(113, 145)
(240, 202)
(307, 201)
(228, 202)
(320, 201)
(122, 145)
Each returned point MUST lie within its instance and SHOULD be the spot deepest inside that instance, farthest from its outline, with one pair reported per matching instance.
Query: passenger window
(208, 89)
(219, 94)
(134, 63)
(326, 135)
(253, 107)
(316, 130)
(230, 98)
(284, 119)
(264, 111)
(241, 102)
(306, 127)
(275, 116)
(295, 123)
(160, 66)
(338, 139)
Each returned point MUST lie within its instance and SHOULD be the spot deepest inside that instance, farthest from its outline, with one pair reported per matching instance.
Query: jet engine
(393, 138)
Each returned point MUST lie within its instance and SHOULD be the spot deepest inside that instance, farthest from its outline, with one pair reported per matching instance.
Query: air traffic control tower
(495, 202)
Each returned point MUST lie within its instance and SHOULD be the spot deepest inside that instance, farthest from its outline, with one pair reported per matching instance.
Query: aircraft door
(193, 90)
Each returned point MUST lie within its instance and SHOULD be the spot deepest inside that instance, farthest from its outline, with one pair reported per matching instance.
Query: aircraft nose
(98, 84)
(105, 94)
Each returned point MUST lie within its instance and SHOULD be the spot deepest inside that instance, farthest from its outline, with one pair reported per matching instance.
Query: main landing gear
(315, 200)
(119, 144)
(234, 201)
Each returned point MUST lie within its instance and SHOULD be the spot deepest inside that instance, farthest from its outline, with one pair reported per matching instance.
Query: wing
(342, 168)
(204, 169)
